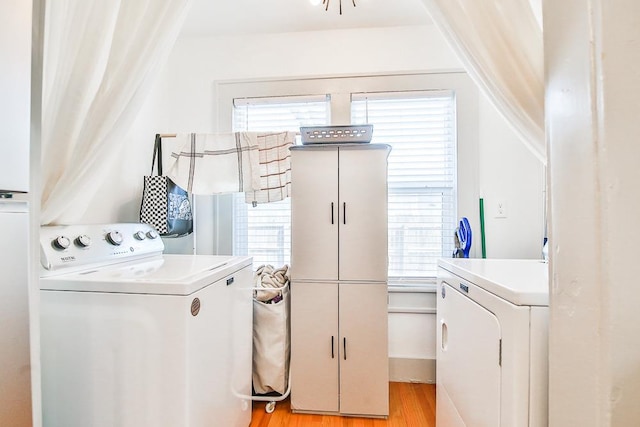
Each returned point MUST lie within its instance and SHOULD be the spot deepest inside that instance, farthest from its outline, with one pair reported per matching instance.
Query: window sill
(412, 287)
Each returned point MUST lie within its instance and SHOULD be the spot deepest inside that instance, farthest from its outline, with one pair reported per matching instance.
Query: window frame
(340, 89)
(420, 187)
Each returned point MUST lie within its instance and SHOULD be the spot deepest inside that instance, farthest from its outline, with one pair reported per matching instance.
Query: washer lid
(519, 281)
(163, 275)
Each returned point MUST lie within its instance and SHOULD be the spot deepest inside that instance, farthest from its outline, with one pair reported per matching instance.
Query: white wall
(510, 176)
(184, 101)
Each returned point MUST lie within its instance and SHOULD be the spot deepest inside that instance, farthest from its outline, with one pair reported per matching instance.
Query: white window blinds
(421, 129)
(264, 231)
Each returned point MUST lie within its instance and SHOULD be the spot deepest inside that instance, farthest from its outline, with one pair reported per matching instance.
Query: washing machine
(492, 350)
(133, 337)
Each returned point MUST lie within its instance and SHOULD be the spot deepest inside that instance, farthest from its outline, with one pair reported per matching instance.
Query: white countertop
(519, 281)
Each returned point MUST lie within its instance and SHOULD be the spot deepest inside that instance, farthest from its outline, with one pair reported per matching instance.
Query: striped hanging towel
(215, 163)
(274, 166)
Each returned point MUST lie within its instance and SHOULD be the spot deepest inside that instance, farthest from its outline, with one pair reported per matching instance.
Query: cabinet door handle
(444, 335)
(331, 212)
(332, 352)
(344, 212)
(344, 345)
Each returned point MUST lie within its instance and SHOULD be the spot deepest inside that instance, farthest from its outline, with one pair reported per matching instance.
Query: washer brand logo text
(67, 258)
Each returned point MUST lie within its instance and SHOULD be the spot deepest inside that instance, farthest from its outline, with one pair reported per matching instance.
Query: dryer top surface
(521, 282)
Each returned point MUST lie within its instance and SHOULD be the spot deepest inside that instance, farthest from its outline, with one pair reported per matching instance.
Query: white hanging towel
(215, 163)
(275, 168)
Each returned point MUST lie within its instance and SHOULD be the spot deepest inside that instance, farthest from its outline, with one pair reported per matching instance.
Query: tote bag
(165, 205)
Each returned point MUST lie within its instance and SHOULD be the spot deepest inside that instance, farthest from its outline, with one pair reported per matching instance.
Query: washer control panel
(63, 247)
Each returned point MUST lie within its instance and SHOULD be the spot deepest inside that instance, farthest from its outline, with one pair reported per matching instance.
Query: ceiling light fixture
(326, 4)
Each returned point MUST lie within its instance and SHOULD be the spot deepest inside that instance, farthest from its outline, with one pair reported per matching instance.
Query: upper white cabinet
(15, 94)
(314, 212)
(339, 211)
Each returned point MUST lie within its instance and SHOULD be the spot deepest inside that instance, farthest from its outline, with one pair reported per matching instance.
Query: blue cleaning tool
(464, 236)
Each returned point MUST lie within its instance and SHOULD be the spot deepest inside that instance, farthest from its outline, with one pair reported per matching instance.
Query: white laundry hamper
(271, 345)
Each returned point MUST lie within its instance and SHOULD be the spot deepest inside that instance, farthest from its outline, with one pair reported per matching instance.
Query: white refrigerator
(15, 134)
(15, 365)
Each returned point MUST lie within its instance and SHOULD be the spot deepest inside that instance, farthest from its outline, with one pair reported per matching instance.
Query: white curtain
(500, 43)
(101, 57)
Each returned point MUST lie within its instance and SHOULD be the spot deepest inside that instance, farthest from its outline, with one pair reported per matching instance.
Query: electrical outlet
(501, 209)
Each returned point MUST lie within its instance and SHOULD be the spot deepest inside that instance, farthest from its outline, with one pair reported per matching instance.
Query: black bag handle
(157, 151)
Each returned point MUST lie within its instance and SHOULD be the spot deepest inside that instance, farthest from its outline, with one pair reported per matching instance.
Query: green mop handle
(484, 247)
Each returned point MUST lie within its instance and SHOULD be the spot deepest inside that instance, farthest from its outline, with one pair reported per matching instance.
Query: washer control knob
(152, 234)
(115, 238)
(139, 235)
(61, 243)
(83, 241)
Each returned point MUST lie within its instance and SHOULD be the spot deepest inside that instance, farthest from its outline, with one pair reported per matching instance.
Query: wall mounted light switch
(500, 208)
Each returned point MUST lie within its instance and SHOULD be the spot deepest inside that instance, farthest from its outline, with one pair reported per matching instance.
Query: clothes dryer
(492, 350)
(132, 337)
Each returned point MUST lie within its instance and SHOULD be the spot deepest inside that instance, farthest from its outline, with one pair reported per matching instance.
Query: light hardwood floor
(410, 405)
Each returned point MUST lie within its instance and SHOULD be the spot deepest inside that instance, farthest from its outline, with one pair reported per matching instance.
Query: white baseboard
(412, 370)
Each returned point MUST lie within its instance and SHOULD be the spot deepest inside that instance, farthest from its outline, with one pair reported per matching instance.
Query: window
(429, 119)
(264, 231)
(421, 129)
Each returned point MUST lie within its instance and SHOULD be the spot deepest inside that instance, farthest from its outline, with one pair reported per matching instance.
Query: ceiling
(236, 17)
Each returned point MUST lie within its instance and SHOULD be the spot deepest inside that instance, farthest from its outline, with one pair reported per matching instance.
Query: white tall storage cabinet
(339, 344)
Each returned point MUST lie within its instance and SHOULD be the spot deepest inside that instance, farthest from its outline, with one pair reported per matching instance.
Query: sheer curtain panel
(500, 43)
(100, 58)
